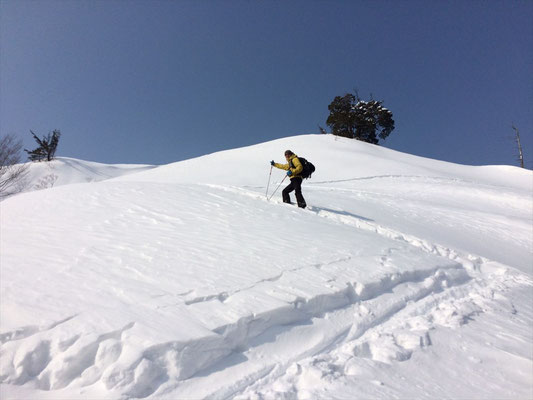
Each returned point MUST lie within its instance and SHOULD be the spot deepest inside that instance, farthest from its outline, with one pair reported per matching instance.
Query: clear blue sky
(162, 81)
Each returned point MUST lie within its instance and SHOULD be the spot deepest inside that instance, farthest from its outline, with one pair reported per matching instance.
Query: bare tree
(520, 154)
(12, 172)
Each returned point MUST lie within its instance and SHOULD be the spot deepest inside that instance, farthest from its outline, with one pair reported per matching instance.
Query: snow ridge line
(246, 333)
(432, 282)
(27, 331)
(223, 296)
(236, 336)
(390, 327)
(83, 360)
(302, 309)
(380, 331)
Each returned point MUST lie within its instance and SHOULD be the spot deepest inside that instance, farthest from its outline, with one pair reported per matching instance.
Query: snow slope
(65, 171)
(407, 277)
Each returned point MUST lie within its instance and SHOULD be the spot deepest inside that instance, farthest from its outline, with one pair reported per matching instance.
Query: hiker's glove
(289, 173)
(272, 162)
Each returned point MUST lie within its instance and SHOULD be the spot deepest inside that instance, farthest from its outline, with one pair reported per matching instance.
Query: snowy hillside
(64, 171)
(406, 277)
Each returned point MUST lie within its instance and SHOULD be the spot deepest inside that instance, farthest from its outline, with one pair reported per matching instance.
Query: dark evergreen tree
(47, 147)
(341, 116)
(354, 118)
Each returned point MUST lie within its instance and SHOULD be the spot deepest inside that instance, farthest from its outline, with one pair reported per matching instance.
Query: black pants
(296, 184)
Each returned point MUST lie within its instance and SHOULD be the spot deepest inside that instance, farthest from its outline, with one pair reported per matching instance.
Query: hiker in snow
(294, 168)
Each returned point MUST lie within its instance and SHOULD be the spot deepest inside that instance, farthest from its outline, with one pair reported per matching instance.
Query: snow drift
(407, 277)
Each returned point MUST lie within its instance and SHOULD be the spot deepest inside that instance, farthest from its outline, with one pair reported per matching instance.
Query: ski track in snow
(242, 338)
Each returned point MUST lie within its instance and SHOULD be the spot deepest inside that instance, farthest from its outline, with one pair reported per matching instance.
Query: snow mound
(336, 159)
(405, 277)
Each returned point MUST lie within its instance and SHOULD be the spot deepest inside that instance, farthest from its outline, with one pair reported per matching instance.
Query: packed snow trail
(136, 289)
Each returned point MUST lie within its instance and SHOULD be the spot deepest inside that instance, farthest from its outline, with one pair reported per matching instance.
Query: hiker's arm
(281, 166)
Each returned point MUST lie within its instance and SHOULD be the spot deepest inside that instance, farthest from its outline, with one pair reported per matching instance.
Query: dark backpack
(308, 168)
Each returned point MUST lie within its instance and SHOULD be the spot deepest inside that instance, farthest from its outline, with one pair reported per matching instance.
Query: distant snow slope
(64, 171)
(406, 277)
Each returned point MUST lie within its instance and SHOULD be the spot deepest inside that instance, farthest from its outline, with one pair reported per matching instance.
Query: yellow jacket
(294, 165)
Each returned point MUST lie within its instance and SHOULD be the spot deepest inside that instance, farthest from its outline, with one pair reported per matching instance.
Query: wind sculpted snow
(406, 277)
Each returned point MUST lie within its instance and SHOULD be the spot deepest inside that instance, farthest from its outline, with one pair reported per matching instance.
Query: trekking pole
(268, 184)
(277, 187)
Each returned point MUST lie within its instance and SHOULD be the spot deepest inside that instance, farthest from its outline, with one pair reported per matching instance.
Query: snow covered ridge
(406, 277)
(65, 171)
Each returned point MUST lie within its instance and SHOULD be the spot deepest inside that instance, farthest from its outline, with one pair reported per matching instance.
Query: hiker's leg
(286, 191)
(297, 182)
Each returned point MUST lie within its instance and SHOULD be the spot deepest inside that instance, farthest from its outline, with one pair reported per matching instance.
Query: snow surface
(405, 278)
